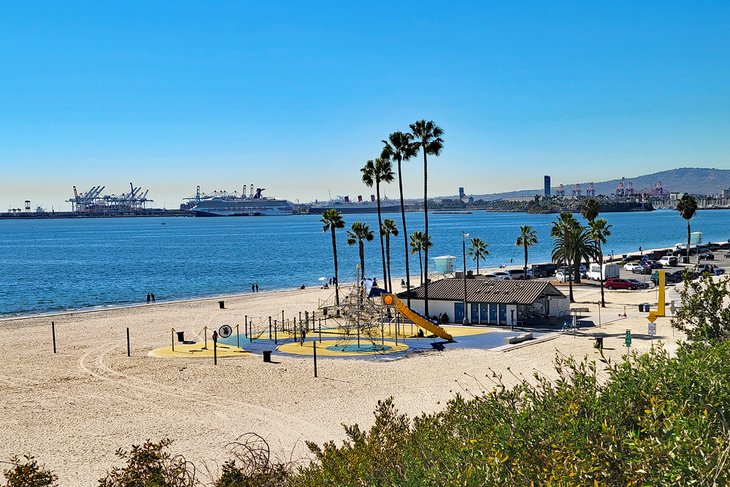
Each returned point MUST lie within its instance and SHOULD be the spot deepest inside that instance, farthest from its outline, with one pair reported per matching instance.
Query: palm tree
(600, 230)
(429, 141)
(687, 207)
(526, 239)
(478, 250)
(332, 220)
(387, 229)
(589, 209)
(399, 147)
(375, 172)
(420, 242)
(564, 233)
(359, 233)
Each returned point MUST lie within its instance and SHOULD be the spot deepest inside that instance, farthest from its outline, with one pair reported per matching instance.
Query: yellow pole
(661, 303)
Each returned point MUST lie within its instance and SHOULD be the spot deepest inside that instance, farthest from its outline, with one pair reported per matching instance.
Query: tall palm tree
(387, 229)
(420, 242)
(600, 230)
(373, 173)
(400, 147)
(332, 220)
(589, 209)
(358, 234)
(564, 232)
(687, 207)
(429, 141)
(526, 239)
(478, 250)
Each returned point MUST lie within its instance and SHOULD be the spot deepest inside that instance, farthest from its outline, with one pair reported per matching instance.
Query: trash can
(599, 343)
(267, 355)
(222, 304)
(180, 336)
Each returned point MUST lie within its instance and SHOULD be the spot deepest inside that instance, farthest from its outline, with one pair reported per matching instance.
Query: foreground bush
(654, 420)
(26, 472)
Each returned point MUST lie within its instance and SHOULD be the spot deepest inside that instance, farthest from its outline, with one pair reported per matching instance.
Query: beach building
(492, 302)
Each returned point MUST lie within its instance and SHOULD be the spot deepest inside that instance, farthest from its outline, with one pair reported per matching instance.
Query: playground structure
(364, 321)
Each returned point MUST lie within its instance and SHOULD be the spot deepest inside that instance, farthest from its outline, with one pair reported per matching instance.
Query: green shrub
(653, 420)
(150, 465)
(26, 472)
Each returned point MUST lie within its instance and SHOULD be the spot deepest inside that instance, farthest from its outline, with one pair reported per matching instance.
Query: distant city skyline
(295, 98)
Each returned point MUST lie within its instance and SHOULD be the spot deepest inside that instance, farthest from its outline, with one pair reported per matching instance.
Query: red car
(615, 283)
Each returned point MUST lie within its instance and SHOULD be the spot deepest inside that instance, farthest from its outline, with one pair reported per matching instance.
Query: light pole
(464, 235)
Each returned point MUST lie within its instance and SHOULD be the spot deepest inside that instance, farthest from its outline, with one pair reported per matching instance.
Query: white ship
(344, 205)
(222, 203)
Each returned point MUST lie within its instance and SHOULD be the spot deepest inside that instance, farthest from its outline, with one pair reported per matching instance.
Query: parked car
(563, 276)
(651, 263)
(709, 269)
(727, 256)
(516, 273)
(669, 277)
(642, 269)
(668, 260)
(639, 284)
(617, 283)
(609, 271)
(706, 256)
(632, 265)
(502, 276)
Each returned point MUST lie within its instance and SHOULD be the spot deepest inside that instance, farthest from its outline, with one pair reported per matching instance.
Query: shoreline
(415, 281)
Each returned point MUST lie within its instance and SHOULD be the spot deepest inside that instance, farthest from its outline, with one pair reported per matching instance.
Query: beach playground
(75, 407)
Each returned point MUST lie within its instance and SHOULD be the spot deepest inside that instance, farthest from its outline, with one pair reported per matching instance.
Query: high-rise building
(547, 185)
(462, 195)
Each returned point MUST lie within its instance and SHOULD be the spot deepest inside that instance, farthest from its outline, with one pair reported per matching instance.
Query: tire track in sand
(106, 373)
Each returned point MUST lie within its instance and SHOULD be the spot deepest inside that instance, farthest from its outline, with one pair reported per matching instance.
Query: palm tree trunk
(570, 285)
(420, 264)
(689, 232)
(525, 271)
(387, 256)
(361, 247)
(405, 234)
(576, 271)
(425, 220)
(477, 265)
(380, 227)
(337, 281)
(600, 264)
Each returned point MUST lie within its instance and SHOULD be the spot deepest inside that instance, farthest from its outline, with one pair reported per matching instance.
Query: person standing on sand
(152, 295)
(257, 287)
(253, 288)
(148, 298)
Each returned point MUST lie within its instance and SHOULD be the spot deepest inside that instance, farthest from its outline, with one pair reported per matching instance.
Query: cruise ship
(344, 205)
(221, 203)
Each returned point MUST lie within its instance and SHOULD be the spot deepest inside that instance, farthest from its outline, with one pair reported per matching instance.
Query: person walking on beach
(152, 295)
(253, 288)
(257, 287)
(148, 298)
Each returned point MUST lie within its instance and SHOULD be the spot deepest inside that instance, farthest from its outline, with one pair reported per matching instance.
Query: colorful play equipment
(416, 317)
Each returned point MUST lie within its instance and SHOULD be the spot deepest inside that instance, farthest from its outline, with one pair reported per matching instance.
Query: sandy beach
(73, 409)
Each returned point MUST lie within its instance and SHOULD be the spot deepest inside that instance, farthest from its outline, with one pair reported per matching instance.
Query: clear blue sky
(296, 96)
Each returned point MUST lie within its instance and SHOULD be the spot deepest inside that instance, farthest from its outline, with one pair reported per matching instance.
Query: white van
(609, 271)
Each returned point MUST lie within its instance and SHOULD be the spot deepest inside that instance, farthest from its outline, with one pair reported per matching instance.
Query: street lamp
(464, 236)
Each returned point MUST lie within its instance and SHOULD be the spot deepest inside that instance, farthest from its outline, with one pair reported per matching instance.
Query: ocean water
(55, 265)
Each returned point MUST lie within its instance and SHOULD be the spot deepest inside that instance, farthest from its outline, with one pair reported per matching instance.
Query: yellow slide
(417, 318)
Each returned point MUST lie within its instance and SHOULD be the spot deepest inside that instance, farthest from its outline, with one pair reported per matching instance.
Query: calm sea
(55, 265)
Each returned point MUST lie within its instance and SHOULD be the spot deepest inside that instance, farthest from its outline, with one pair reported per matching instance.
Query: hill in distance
(694, 180)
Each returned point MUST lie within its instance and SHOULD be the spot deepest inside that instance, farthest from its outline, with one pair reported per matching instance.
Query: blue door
(502, 314)
(493, 314)
(458, 312)
(483, 314)
(474, 313)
